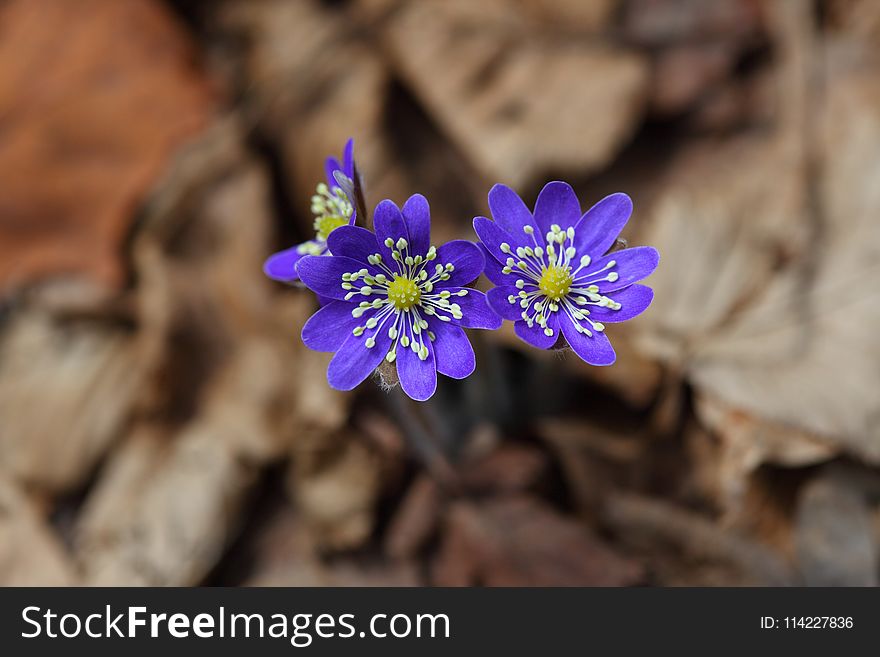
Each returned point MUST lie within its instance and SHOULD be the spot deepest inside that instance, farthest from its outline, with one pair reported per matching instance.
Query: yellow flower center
(327, 224)
(555, 282)
(404, 293)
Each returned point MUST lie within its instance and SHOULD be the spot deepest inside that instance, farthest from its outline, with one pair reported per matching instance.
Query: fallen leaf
(415, 520)
(30, 552)
(87, 372)
(519, 541)
(487, 78)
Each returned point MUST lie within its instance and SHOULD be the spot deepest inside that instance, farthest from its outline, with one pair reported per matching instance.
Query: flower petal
(634, 300)
(323, 274)
(509, 211)
(631, 266)
(418, 378)
(453, 352)
(281, 266)
(595, 350)
(535, 335)
(557, 204)
(388, 222)
(331, 164)
(348, 158)
(354, 362)
(475, 310)
(493, 236)
(493, 269)
(352, 242)
(467, 259)
(598, 229)
(328, 328)
(498, 301)
(417, 215)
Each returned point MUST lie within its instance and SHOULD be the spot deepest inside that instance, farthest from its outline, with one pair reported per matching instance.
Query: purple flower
(396, 298)
(332, 208)
(552, 273)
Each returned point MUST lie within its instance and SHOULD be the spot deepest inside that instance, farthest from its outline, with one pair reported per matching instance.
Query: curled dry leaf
(791, 357)
(749, 442)
(487, 77)
(87, 373)
(177, 522)
(786, 328)
(169, 501)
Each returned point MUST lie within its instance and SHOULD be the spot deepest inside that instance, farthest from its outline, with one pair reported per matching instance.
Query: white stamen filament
(402, 295)
(577, 288)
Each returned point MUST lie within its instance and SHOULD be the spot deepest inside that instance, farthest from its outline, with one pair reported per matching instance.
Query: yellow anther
(404, 293)
(555, 282)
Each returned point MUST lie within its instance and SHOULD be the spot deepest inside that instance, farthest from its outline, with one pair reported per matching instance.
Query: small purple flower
(396, 298)
(552, 273)
(332, 208)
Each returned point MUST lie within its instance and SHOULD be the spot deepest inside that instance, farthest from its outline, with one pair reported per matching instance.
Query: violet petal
(557, 204)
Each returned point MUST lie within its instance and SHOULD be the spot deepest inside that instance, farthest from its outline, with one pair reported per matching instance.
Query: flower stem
(423, 445)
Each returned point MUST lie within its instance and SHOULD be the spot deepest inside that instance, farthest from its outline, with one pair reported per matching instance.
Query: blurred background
(161, 422)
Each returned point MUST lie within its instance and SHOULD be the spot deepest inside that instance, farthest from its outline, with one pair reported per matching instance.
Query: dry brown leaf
(659, 22)
(168, 503)
(415, 520)
(516, 102)
(30, 552)
(685, 74)
(176, 523)
(95, 96)
(284, 555)
(201, 292)
(67, 388)
(766, 295)
(804, 352)
(335, 481)
(859, 18)
(308, 61)
(519, 541)
(569, 15)
(749, 441)
(655, 522)
(507, 469)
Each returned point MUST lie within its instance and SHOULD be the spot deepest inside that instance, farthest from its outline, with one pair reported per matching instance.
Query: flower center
(327, 224)
(555, 281)
(404, 293)
(331, 208)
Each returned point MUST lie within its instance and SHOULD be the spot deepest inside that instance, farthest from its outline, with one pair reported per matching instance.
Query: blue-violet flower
(332, 208)
(397, 299)
(555, 278)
